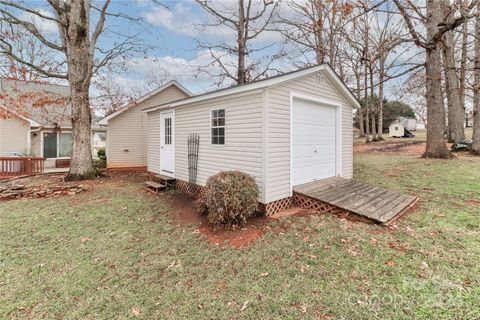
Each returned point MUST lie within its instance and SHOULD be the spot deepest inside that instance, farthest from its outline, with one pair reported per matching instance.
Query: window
(218, 126)
(57, 144)
(168, 131)
(50, 144)
(64, 144)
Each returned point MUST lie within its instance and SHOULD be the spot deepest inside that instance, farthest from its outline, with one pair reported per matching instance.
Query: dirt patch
(475, 203)
(399, 147)
(185, 213)
(47, 185)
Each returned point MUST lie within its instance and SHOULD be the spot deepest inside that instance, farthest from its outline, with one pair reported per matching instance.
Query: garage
(313, 141)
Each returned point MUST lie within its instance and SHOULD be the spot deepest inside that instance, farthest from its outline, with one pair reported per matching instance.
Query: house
(284, 131)
(35, 120)
(396, 130)
(126, 144)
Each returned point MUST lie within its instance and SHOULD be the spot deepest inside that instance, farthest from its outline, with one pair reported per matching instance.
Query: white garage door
(314, 142)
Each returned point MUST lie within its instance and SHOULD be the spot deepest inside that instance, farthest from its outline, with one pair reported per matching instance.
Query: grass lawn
(117, 253)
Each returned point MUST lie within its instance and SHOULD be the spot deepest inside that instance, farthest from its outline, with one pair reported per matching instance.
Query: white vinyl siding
(243, 137)
(13, 135)
(278, 131)
(127, 132)
(153, 142)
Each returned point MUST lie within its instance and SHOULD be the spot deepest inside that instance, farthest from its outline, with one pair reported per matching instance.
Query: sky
(171, 32)
(174, 33)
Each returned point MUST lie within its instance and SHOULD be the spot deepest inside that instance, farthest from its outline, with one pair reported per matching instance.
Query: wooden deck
(374, 203)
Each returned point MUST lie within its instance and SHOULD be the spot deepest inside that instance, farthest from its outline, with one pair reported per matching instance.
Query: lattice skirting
(277, 206)
(306, 202)
(194, 190)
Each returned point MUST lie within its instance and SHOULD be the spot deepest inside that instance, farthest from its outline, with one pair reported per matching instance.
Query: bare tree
(316, 26)
(437, 24)
(476, 96)
(28, 48)
(456, 110)
(76, 43)
(247, 19)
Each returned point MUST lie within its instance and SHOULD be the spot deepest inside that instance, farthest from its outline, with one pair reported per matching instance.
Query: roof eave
(340, 85)
(104, 121)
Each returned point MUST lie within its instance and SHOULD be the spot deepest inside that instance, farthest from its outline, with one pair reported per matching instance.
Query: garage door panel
(314, 141)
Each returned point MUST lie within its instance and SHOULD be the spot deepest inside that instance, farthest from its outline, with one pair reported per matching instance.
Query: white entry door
(167, 152)
(313, 141)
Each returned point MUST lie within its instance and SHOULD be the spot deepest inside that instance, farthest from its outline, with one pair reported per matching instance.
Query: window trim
(224, 127)
(58, 142)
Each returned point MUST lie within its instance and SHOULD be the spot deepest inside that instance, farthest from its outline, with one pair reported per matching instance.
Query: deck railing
(20, 166)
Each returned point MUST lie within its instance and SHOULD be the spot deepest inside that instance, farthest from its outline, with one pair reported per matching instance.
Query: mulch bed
(185, 213)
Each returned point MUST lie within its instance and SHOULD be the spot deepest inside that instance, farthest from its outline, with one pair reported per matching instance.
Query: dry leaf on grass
(244, 306)
(390, 263)
(136, 311)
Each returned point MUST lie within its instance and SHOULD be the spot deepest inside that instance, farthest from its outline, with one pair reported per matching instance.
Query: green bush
(101, 162)
(101, 153)
(230, 198)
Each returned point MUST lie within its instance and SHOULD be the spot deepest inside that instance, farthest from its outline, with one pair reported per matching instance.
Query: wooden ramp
(374, 203)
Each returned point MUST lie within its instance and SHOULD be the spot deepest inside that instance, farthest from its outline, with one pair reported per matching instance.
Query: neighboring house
(126, 144)
(35, 120)
(408, 123)
(284, 131)
(396, 130)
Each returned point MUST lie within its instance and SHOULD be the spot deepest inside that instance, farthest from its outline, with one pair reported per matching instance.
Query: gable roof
(329, 72)
(41, 104)
(30, 121)
(129, 105)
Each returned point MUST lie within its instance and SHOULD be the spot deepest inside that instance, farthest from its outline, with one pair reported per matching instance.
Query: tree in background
(392, 111)
(76, 46)
(456, 111)
(476, 97)
(436, 24)
(247, 20)
(315, 26)
(29, 49)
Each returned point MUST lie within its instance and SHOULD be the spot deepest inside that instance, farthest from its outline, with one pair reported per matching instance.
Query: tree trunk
(360, 110)
(476, 96)
(455, 108)
(380, 98)
(436, 145)
(75, 33)
(374, 127)
(463, 67)
(318, 32)
(367, 127)
(374, 108)
(241, 72)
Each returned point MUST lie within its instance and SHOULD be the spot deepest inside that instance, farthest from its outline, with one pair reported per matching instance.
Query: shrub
(230, 198)
(101, 153)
